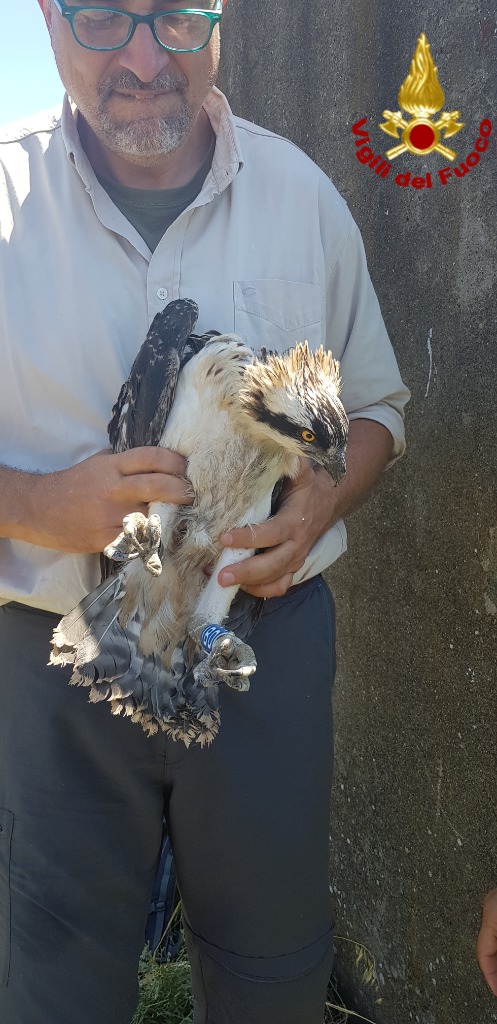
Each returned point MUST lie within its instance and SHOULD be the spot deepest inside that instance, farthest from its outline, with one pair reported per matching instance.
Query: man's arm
(81, 509)
(309, 506)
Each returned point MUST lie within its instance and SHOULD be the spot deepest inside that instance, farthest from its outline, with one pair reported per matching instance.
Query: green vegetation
(165, 991)
(166, 997)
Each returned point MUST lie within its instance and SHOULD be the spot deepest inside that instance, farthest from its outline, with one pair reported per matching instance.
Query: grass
(364, 961)
(336, 1012)
(166, 997)
(165, 991)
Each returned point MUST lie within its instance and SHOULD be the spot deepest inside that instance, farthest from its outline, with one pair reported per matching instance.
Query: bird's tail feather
(77, 637)
(107, 658)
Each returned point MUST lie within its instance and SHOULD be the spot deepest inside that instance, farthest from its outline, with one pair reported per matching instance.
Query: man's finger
(257, 535)
(486, 945)
(148, 487)
(488, 967)
(269, 534)
(151, 459)
(261, 569)
(276, 589)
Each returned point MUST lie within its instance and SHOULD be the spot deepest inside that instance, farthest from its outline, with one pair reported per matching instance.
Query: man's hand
(81, 509)
(302, 516)
(486, 946)
(309, 506)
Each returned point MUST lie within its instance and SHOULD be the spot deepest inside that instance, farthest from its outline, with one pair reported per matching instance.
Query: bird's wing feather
(145, 399)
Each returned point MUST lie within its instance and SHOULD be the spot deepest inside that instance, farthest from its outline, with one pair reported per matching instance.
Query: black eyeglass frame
(214, 17)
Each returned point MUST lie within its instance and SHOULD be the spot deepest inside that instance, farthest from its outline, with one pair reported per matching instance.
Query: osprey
(151, 638)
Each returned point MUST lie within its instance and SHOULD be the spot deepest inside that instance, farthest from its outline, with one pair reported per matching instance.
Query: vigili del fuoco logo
(421, 96)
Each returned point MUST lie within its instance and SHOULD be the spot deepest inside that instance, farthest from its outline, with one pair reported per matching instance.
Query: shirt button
(162, 293)
(249, 291)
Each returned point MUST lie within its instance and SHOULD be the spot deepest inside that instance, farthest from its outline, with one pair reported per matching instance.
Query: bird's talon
(153, 565)
(226, 646)
(230, 661)
(240, 683)
(243, 670)
(141, 538)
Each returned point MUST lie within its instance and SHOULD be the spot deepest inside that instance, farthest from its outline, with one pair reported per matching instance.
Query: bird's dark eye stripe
(328, 432)
(278, 421)
(322, 432)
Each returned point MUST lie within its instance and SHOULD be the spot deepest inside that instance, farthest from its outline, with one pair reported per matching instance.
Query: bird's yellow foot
(140, 538)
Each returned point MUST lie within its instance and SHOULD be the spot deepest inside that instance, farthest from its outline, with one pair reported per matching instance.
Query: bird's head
(294, 401)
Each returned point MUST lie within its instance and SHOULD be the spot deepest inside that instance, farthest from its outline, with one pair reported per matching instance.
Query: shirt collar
(228, 157)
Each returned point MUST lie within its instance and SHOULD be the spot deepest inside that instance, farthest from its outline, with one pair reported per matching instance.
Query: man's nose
(143, 55)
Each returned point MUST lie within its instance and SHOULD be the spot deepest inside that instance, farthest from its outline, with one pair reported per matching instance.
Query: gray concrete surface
(415, 811)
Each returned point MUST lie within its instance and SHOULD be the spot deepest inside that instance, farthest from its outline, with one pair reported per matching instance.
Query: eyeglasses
(105, 28)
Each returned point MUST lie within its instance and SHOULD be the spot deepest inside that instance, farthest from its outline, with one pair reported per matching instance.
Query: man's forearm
(81, 509)
(16, 491)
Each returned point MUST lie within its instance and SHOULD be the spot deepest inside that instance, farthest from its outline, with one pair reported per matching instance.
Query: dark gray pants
(82, 796)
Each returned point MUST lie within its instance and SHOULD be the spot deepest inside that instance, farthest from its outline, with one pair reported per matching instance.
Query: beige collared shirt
(268, 249)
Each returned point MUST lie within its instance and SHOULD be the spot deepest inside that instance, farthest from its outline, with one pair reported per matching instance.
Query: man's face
(140, 101)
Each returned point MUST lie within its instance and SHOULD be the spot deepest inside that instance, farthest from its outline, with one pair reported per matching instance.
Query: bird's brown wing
(146, 398)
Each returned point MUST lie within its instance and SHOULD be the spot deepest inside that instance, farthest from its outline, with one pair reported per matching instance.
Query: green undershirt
(152, 211)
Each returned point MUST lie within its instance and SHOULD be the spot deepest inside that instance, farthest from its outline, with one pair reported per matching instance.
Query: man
(148, 190)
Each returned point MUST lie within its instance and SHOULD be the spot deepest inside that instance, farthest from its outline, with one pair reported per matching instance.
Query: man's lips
(141, 95)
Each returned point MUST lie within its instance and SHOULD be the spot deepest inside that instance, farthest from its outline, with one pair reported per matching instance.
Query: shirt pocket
(6, 825)
(278, 314)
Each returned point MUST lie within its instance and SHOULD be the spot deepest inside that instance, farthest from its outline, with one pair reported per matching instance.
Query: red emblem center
(422, 136)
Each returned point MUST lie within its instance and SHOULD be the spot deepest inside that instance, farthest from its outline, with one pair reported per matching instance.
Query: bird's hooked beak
(334, 464)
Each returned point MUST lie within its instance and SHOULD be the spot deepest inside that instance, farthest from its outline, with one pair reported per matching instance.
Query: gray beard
(145, 137)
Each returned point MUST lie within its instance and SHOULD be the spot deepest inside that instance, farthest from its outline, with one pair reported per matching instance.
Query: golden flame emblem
(422, 96)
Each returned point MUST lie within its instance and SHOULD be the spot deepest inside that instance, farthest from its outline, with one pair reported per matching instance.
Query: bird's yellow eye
(307, 435)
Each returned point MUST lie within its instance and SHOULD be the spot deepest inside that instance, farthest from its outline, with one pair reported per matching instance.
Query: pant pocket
(6, 826)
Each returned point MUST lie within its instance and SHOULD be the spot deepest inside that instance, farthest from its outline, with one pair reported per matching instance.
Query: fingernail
(227, 579)
(227, 538)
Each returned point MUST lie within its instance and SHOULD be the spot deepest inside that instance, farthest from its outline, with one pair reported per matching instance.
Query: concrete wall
(415, 810)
